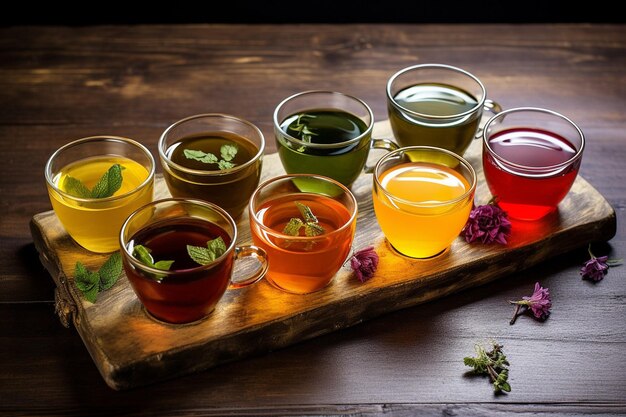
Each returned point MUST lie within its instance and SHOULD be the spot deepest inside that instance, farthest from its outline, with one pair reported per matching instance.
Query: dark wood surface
(59, 84)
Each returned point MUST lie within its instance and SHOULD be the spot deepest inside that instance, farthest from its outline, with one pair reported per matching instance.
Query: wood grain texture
(61, 83)
(130, 349)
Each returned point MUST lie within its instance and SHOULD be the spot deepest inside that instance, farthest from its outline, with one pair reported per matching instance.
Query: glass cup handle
(490, 106)
(385, 144)
(255, 252)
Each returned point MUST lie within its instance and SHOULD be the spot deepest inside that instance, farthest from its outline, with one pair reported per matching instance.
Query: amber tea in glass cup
(172, 285)
(94, 183)
(213, 157)
(436, 105)
(422, 199)
(326, 133)
(531, 157)
(306, 224)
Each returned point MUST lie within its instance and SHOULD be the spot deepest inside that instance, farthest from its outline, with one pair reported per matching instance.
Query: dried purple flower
(596, 268)
(487, 223)
(539, 303)
(364, 263)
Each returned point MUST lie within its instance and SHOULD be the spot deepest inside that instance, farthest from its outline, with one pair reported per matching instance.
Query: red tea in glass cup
(188, 291)
(303, 259)
(531, 157)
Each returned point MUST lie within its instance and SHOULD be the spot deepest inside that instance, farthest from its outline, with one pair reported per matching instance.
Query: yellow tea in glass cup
(213, 157)
(95, 183)
(306, 224)
(422, 199)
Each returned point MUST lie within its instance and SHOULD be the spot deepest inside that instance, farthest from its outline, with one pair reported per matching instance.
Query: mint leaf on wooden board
(90, 283)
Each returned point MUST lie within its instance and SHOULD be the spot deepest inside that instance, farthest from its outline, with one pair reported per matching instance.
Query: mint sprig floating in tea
(308, 221)
(143, 254)
(302, 129)
(90, 283)
(205, 255)
(493, 363)
(107, 185)
(227, 153)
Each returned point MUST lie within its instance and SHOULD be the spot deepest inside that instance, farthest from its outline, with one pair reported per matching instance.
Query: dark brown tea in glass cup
(179, 256)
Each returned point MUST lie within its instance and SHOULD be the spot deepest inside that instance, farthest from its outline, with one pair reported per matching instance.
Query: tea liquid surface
(246, 150)
(436, 99)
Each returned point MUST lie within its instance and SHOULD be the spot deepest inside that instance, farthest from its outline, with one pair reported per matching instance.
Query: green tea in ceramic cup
(213, 157)
(436, 105)
(326, 133)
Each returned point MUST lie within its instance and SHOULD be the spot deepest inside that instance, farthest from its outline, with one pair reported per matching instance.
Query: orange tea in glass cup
(306, 224)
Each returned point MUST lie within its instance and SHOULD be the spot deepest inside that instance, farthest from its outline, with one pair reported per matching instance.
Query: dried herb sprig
(493, 363)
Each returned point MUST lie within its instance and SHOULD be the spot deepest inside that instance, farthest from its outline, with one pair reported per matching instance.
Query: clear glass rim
(462, 160)
(510, 164)
(183, 201)
(357, 139)
(78, 142)
(210, 173)
(393, 102)
(275, 233)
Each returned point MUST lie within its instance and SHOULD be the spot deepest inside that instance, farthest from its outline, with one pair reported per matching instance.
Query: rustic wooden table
(59, 84)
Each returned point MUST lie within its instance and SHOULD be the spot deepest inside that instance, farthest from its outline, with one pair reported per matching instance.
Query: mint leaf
(313, 229)
(217, 246)
(225, 165)
(163, 265)
(142, 254)
(200, 254)
(76, 188)
(85, 279)
(311, 226)
(109, 183)
(205, 255)
(228, 152)
(91, 294)
(207, 158)
(293, 227)
(110, 271)
(306, 212)
(91, 283)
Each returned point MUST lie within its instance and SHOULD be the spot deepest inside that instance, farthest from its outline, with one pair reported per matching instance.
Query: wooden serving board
(131, 349)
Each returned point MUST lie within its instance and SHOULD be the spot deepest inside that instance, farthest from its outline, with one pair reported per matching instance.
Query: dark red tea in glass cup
(187, 291)
(531, 157)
